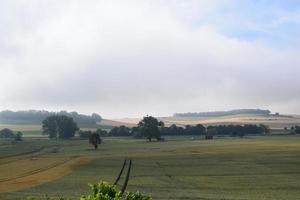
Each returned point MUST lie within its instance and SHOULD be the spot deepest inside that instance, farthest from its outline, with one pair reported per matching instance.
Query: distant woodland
(37, 116)
(223, 113)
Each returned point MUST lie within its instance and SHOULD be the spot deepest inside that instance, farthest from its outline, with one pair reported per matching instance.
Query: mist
(132, 58)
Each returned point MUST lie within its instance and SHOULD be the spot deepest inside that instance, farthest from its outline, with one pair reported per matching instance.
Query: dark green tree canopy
(120, 131)
(136, 132)
(297, 129)
(60, 126)
(19, 136)
(150, 127)
(7, 133)
(95, 139)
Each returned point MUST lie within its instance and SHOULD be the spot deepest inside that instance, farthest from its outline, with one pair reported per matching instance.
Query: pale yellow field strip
(272, 121)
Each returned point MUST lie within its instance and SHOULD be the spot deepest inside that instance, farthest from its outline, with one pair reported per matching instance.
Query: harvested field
(274, 122)
(32, 172)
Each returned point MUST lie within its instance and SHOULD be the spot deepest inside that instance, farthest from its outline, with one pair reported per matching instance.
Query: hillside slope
(273, 121)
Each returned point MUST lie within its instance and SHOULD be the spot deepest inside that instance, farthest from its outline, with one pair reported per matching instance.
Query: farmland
(272, 121)
(262, 167)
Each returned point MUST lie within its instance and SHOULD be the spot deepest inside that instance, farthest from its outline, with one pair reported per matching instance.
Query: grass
(35, 130)
(257, 168)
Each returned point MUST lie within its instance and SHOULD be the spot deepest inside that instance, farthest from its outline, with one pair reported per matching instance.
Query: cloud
(130, 58)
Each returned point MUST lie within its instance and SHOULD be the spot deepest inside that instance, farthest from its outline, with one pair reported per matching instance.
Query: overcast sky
(137, 57)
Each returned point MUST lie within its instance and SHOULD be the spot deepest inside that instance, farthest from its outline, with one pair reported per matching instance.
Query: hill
(273, 121)
(224, 113)
(37, 116)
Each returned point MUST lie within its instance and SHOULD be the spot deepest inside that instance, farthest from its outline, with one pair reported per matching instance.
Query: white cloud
(128, 58)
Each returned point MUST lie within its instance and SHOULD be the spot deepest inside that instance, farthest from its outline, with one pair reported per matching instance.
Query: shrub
(105, 191)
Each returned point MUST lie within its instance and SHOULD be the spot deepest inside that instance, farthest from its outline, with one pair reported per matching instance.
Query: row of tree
(224, 113)
(60, 126)
(36, 117)
(173, 130)
(64, 127)
(238, 130)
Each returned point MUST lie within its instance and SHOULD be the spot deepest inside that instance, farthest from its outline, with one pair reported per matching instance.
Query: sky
(130, 58)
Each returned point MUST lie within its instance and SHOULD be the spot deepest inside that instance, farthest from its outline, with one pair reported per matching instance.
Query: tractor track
(127, 175)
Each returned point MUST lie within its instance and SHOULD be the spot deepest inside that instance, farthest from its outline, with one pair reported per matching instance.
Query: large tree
(150, 127)
(7, 133)
(59, 126)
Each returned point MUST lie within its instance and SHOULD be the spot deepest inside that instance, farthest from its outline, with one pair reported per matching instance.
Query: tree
(60, 126)
(7, 133)
(297, 129)
(101, 132)
(210, 132)
(136, 132)
(19, 136)
(150, 127)
(264, 129)
(95, 139)
(120, 131)
(199, 129)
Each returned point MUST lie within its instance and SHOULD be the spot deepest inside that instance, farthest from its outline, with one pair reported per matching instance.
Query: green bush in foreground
(105, 191)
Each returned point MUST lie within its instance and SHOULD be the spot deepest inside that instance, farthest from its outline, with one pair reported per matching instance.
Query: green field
(35, 130)
(180, 168)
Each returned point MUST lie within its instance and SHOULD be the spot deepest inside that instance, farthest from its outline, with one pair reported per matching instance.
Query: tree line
(37, 116)
(223, 113)
(64, 127)
(199, 129)
(150, 128)
(60, 126)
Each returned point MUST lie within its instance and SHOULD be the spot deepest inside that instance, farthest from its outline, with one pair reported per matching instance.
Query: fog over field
(132, 58)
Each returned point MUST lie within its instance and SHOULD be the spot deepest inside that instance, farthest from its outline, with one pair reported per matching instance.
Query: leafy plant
(104, 191)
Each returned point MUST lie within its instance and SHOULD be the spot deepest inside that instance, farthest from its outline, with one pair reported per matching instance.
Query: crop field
(274, 122)
(35, 130)
(264, 167)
